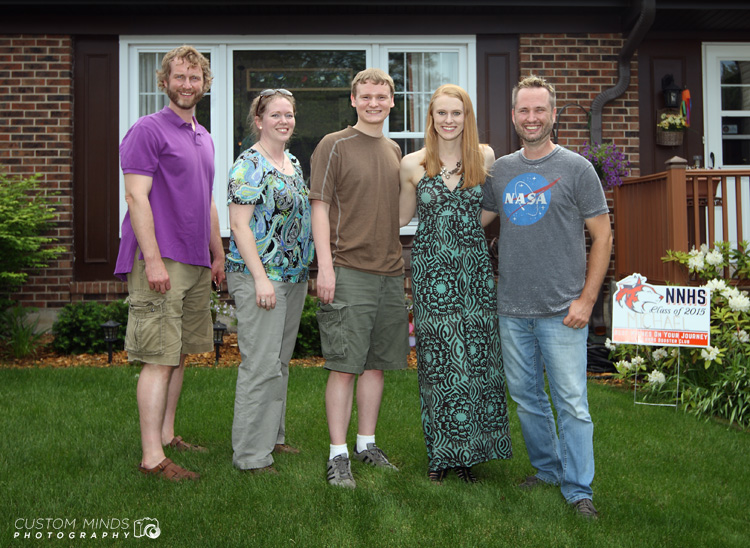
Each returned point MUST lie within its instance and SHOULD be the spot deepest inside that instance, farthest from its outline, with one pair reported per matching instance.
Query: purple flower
(610, 163)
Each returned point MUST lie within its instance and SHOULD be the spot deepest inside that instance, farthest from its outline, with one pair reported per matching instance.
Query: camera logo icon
(146, 527)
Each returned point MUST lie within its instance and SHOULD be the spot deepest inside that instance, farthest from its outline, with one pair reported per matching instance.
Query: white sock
(362, 442)
(337, 450)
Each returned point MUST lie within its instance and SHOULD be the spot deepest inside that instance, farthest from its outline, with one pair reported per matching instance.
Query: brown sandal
(178, 444)
(169, 470)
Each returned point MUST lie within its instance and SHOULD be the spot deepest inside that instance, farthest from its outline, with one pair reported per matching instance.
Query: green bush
(308, 337)
(17, 333)
(25, 214)
(78, 327)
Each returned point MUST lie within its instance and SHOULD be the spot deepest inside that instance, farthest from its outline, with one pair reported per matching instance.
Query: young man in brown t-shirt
(363, 321)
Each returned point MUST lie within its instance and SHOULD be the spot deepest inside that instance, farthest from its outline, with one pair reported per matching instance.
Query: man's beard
(546, 131)
(184, 102)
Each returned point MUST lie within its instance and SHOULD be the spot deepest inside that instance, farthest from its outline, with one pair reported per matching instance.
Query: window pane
(320, 82)
(735, 72)
(735, 140)
(417, 75)
(735, 85)
(409, 145)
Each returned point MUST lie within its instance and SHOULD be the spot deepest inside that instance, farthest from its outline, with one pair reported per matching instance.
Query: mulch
(229, 356)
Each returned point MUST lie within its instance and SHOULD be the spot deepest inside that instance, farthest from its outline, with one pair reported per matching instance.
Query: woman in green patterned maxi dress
(461, 378)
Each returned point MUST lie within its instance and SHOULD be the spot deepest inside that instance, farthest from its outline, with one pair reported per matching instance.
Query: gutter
(637, 34)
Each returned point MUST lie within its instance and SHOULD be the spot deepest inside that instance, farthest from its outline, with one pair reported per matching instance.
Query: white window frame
(376, 47)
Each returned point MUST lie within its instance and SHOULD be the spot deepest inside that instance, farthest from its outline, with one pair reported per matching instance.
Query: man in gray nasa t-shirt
(545, 195)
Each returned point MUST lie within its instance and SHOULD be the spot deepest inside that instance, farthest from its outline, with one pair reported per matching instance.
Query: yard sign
(660, 315)
(654, 315)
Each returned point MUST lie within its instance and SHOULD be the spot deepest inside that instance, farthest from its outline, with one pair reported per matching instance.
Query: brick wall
(580, 67)
(36, 136)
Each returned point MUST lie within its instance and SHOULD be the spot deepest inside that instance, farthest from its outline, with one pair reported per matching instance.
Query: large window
(416, 75)
(316, 69)
(320, 81)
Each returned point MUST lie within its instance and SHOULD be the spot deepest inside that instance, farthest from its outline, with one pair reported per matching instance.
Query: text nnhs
(525, 199)
(686, 296)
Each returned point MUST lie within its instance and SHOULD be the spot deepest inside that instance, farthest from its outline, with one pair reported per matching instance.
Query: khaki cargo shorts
(161, 327)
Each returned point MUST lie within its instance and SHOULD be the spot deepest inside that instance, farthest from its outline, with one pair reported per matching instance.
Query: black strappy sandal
(437, 476)
(464, 473)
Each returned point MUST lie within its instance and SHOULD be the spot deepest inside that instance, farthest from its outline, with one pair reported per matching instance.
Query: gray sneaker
(374, 456)
(585, 508)
(340, 472)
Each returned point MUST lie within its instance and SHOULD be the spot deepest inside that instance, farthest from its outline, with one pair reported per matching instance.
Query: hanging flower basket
(669, 138)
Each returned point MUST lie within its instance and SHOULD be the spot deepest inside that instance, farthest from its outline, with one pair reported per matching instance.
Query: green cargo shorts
(367, 325)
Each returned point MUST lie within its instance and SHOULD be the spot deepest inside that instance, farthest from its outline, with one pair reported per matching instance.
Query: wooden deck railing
(677, 209)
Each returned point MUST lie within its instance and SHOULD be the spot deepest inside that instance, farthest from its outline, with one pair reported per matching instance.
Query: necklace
(268, 155)
(447, 174)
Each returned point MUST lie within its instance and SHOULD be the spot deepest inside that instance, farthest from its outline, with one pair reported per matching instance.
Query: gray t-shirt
(542, 206)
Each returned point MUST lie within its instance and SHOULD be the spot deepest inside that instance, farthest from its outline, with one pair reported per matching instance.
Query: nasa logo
(527, 198)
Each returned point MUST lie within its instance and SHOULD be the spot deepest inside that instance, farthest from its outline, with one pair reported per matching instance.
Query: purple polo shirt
(180, 162)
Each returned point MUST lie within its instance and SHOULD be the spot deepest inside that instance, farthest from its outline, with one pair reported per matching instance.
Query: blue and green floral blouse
(280, 221)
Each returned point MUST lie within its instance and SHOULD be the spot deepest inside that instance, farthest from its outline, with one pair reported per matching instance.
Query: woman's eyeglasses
(268, 93)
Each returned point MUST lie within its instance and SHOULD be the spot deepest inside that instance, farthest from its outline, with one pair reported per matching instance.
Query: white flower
(704, 248)
(742, 336)
(714, 257)
(740, 303)
(694, 252)
(609, 344)
(656, 377)
(658, 354)
(696, 262)
(623, 366)
(730, 292)
(638, 361)
(710, 353)
(716, 285)
(675, 352)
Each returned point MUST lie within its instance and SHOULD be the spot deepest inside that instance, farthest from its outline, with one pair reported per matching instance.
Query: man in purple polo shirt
(170, 251)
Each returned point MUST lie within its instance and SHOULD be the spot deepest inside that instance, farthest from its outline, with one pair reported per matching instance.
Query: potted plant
(610, 163)
(670, 128)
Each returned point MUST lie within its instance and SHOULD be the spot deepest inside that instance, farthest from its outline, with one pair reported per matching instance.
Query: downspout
(637, 34)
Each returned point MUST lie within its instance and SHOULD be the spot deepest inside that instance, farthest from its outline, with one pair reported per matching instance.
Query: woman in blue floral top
(270, 250)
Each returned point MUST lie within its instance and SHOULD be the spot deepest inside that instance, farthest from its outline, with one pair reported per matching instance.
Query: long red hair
(473, 168)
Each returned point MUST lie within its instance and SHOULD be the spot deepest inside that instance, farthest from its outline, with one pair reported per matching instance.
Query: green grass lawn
(70, 446)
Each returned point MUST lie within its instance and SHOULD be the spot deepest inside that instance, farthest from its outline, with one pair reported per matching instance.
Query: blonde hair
(192, 57)
(258, 108)
(534, 81)
(473, 168)
(374, 76)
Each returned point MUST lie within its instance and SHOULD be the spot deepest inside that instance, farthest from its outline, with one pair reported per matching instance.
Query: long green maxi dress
(461, 377)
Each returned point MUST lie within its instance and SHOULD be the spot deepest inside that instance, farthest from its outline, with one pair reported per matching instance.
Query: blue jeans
(529, 347)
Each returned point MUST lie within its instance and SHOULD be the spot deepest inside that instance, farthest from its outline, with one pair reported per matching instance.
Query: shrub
(17, 333)
(308, 337)
(25, 214)
(714, 381)
(78, 327)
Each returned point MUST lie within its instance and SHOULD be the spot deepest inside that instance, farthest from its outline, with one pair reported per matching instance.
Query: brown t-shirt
(358, 176)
